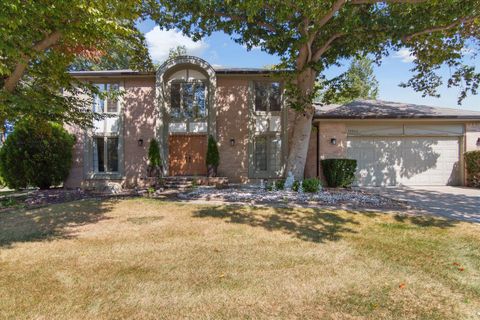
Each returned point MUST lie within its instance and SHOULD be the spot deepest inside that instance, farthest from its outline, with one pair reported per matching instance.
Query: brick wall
(140, 116)
(232, 123)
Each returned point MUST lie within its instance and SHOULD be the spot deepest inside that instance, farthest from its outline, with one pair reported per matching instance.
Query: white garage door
(389, 161)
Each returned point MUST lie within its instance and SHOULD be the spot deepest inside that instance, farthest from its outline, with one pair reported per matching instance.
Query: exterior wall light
(478, 142)
(232, 142)
(333, 141)
(140, 142)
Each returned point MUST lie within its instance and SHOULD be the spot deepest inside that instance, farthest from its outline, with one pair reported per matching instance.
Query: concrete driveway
(450, 202)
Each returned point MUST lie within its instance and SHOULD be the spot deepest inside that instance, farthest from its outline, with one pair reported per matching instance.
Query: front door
(187, 155)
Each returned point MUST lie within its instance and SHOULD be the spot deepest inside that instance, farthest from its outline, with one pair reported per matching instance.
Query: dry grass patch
(143, 258)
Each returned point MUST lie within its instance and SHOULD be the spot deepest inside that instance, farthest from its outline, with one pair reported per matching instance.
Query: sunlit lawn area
(143, 258)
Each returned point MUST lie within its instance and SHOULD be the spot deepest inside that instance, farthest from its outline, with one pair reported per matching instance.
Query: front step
(178, 182)
(184, 182)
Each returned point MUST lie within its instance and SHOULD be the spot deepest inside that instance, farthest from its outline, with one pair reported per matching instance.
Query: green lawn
(142, 259)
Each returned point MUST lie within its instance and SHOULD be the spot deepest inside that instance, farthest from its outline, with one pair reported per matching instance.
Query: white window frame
(105, 154)
(105, 87)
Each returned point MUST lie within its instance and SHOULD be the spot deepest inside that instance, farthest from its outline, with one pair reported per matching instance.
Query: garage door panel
(387, 161)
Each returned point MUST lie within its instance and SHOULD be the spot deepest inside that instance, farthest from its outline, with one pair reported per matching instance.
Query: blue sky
(220, 50)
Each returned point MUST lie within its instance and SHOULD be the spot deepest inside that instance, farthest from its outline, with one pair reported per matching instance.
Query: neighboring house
(244, 109)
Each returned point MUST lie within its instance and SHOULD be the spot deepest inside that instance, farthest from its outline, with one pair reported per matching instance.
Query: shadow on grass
(426, 221)
(314, 225)
(52, 222)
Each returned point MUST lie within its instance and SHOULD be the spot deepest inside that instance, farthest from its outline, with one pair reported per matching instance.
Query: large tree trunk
(302, 127)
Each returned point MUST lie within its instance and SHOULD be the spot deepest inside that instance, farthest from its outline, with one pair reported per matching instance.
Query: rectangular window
(105, 155)
(267, 154)
(188, 100)
(103, 103)
(267, 96)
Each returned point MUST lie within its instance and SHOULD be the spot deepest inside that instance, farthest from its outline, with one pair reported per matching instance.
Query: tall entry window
(188, 100)
(267, 138)
(106, 134)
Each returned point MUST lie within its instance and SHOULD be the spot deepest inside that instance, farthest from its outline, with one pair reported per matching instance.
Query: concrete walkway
(450, 202)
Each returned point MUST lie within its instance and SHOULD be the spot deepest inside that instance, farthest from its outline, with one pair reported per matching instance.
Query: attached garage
(398, 144)
(403, 154)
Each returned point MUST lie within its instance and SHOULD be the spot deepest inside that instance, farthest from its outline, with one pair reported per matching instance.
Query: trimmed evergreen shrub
(472, 162)
(213, 157)
(154, 159)
(311, 185)
(36, 153)
(339, 172)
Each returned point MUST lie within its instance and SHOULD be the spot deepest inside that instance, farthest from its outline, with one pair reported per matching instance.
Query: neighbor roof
(110, 73)
(378, 109)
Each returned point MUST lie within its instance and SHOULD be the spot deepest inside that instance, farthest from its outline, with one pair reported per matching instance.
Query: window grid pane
(275, 97)
(188, 97)
(199, 98)
(261, 97)
(260, 153)
(112, 154)
(275, 154)
(100, 155)
(175, 99)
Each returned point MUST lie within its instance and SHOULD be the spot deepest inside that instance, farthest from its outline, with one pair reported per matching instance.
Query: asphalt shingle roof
(378, 109)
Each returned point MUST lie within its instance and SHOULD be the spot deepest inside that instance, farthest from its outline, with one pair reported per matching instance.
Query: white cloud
(160, 42)
(405, 55)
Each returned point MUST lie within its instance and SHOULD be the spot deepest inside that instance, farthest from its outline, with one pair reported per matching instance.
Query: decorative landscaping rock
(330, 197)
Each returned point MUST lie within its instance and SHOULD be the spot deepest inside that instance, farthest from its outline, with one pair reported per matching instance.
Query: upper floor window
(188, 100)
(104, 103)
(267, 96)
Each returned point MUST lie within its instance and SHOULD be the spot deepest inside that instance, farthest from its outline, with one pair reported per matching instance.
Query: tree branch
(318, 54)
(452, 25)
(335, 8)
(13, 79)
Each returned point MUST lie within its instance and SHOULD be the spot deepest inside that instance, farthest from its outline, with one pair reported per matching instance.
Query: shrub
(36, 154)
(295, 185)
(279, 185)
(472, 162)
(213, 157)
(154, 157)
(311, 185)
(339, 172)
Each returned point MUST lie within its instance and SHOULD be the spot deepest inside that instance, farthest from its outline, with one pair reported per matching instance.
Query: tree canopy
(358, 82)
(311, 35)
(41, 39)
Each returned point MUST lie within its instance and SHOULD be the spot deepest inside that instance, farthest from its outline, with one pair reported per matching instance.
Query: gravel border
(327, 197)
